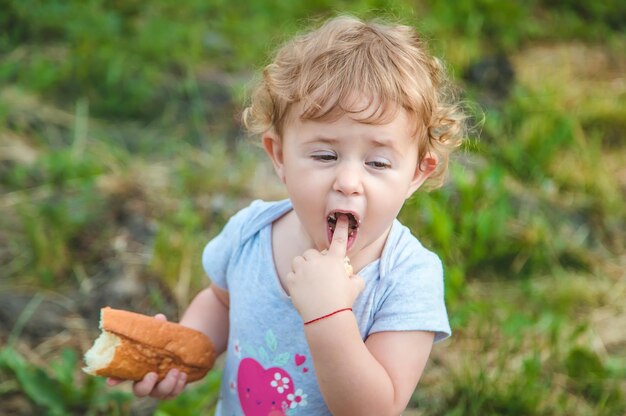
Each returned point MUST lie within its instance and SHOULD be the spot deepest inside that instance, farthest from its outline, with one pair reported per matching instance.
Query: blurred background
(122, 154)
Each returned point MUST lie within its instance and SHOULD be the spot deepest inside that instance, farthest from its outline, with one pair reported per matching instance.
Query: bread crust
(149, 344)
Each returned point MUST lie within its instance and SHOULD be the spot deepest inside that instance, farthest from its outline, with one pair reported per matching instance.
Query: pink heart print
(300, 359)
(263, 392)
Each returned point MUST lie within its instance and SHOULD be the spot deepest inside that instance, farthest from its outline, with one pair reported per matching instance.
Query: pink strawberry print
(263, 392)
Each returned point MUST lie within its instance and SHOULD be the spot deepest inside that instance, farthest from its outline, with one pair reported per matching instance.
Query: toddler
(352, 115)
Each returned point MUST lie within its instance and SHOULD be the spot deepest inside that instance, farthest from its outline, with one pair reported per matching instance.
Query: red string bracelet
(327, 315)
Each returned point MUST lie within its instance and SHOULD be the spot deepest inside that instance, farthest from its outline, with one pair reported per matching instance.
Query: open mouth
(353, 226)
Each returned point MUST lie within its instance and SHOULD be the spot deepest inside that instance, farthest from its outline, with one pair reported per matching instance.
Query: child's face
(343, 166)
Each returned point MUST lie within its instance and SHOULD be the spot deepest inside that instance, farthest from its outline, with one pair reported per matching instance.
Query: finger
(111, 382)
(160, 317)
(358, 283)
(180, 385)
(167, 385)
(290, 278)
(144, 387)
(310, 254)
(297, 262)
(340, 237)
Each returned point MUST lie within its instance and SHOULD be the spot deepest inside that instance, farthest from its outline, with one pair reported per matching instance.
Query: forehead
(357, 108)
(392, 130)
(361, 107)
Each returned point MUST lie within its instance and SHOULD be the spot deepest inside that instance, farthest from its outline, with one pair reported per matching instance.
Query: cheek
(306, 195)
(300, 187)
(301, 180)
(386, 206)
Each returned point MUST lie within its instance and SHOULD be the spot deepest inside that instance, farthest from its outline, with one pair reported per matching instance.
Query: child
(353, 119)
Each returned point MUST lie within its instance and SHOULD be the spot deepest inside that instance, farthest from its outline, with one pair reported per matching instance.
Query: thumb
(160, 317)
(113, 381)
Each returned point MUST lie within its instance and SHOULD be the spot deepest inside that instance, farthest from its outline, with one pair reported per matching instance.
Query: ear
(273, 146)
(426, 167)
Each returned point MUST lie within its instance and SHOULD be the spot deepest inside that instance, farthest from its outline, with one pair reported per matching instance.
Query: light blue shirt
(268, 363)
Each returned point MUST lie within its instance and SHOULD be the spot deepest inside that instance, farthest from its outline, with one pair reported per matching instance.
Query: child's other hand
(168, 388)
(318, 283)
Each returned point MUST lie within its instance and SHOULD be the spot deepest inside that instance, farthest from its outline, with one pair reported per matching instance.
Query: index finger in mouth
(340, 236)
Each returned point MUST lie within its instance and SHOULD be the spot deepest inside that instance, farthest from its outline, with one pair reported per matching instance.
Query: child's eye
(379, 164)
(324, 157)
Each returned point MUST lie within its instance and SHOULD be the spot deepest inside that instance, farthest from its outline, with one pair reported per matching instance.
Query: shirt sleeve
(412, 297)
(219, 251)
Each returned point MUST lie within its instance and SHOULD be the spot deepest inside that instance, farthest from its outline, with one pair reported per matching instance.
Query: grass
(120, 155)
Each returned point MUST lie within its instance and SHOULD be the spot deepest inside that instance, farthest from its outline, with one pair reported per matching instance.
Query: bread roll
(131, 345)
(348, 266)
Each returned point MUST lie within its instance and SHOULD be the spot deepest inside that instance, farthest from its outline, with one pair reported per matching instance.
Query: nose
(349, 178)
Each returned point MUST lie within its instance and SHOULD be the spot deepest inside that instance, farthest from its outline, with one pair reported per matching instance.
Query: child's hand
(318, 283)
(168, 388)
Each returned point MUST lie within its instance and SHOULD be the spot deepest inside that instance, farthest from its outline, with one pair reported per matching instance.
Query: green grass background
(121, 155)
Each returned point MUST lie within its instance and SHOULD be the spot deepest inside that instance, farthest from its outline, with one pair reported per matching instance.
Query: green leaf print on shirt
(268, 355)
(281, 359)
(270, 340)
(263, 356)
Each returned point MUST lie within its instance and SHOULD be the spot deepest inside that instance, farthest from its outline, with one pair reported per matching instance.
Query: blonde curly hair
(325, 70)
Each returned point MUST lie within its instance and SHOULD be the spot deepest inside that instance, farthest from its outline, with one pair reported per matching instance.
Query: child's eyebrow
(323, 139)
(376, 141)
(387, 143)
(383, 142)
